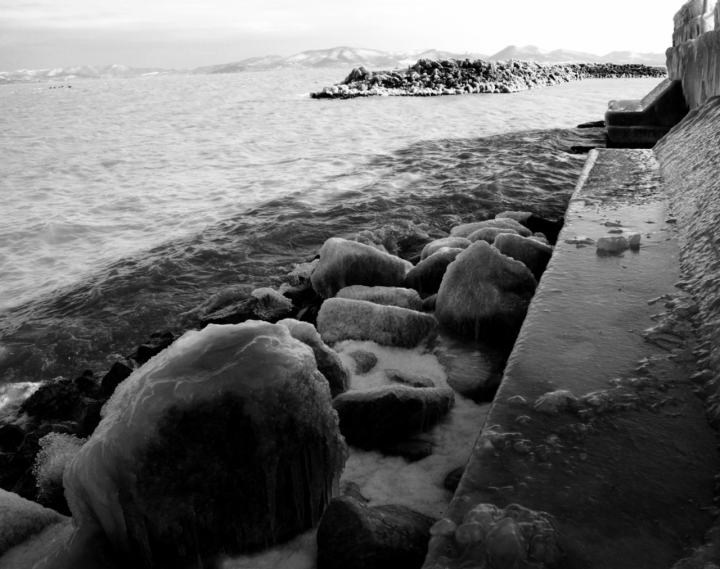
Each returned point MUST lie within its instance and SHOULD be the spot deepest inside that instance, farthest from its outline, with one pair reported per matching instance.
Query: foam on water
(126, 202)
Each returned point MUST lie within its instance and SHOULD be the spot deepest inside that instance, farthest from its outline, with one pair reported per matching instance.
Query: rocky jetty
(457, 77)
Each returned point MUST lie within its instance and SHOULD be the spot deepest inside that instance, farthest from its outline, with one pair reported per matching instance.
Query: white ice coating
(504, 223)
(386, 295)
(694, 19)
(253, 361)
(697, 64)
(21, 518)
(450, 242)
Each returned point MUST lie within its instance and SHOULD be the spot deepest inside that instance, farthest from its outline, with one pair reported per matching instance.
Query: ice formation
(21, 518)
(427, 275)
(531, 253)
(345, 263)
(450, 242)
(612, 244)
(226, 441)
(489, 234)
(502, 223)
(694, 19)
(485, 294)
(389, 296)
(56, 450)
(271, 304)
(344, 319)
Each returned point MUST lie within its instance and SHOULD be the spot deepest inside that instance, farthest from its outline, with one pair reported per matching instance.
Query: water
(127, 202)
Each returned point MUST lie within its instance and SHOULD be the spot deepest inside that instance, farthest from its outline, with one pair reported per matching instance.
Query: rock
(428, 274)
(235, 313)
(520, 216)
(446, 242)
(364, 361)
(328, 361)
(411, 450)
(382, 416)
(634, 240)
(344, 263)
(429, 303)
(270, 305)
(408, 378)
(452, 480)
(118, 373)
(225, 404)
(503, 223)
(352, 489)
(156, 344)
(344, 319)
(55, 399)
(485, 294)
(554, 402)
(551, 229)
(20, 519)
(540, 237)
(11, 438)
(612, 244)
(489, 234)
(531, 253)
(354, 536)
(385, 295)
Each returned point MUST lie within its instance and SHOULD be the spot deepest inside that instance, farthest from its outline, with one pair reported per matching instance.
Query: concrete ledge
(642, 123)
(625, 472)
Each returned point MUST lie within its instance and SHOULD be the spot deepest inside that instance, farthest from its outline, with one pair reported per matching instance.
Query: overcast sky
(191, 33)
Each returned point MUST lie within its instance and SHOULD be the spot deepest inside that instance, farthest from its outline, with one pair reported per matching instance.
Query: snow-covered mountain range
(340, 57)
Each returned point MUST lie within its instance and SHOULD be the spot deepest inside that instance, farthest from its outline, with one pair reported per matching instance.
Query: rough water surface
(128, 202)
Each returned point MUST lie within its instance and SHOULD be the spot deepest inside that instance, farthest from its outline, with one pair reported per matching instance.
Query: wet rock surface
(354, 536)
(531, 253)
(428, 274)
(458, 77)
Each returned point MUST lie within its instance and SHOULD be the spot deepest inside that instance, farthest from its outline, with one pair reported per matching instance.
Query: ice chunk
(225, 441)
(386, 295)
(450, 242)
(345, 263)
(612, 244)
(344, 319)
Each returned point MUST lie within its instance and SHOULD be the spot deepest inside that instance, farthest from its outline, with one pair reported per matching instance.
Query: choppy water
(126, 202)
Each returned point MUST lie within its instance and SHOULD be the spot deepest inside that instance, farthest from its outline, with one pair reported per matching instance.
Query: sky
(192, 33)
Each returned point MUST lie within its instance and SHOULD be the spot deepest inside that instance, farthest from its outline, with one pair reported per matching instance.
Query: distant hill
(337, 57)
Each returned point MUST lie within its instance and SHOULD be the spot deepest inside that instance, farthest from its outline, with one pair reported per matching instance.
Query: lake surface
(128, 202)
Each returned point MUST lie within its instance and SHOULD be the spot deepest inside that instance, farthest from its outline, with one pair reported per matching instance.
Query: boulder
(364, 361)
(11, 438)
(489, 234)
(355, 536)
(385, 295)
(55, 399)
(156, 344)
(344, 263)
(225, 442)
(503, 223)
(428, 274)
(118, 373)
(520, 216)
(328, 361)
(270, 305)
(21, 518)
(379, 417)
(449, 242)
(485, 294)
(530, 252)
(344, 319)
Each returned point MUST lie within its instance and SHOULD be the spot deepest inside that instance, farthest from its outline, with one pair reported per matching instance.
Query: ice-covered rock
(554, 402)
(426, 276)
(485, 294)
(502, 223)
(354, 536)
(695, 18)
(386, 295)
(489, 234)
(449, 242)
(21, 518)
(270, 305)
(345, 319)
(364, 361)
(225, 441)
(520, 216)
(379, 417)
(612, 244)
(344, 263)
(533, 254)
(328, 361)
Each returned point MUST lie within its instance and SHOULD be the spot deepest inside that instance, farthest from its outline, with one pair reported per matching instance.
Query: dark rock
(55, 399)
(593, 124)
(551, 229)
(156, 344)
(118, 373)
(581, 149)
(364, 361)
(87, 416)
(380, 417)
(411, 450)
(86, 383)
(452, 480)
(11, 437)
(310, 312)
(428, 274)
(354, 536)
(429, 303)
(236, 313)
(411, 379)
(530, 252)
(353, 490)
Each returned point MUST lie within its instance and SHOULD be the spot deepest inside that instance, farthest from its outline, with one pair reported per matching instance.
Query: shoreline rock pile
(429, 78)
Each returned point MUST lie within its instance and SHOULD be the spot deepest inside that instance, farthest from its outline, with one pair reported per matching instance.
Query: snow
(21, 518)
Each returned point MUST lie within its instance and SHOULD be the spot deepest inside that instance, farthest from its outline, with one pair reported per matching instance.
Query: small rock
(453, 478)
(614, 244)
(633, 240)
(117, 374)
(156, 344)
(270, 305)
(364, 361)
(554, 402)
(411, 379)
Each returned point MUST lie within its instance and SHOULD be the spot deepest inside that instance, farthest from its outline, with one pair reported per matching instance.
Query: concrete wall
(697, 64)
(695, 18)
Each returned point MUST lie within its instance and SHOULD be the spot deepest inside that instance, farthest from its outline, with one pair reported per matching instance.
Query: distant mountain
(534, 53)
(337, 57)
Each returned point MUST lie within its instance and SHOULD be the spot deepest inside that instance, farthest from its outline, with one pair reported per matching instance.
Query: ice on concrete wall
(226, 441)
(697, 64)
(695, 18)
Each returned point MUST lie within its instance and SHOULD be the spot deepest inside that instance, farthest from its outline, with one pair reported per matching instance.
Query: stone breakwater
(457, 77)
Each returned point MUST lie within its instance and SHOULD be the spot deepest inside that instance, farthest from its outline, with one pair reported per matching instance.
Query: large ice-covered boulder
(21, 518)
(328, 361)
(531, 252)
(224, 442)
(503, 223)
(489, 234)
(387, 295)
(345, 319)
(345, 263)
(426, 276)
(449, 242)
(485, 294)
